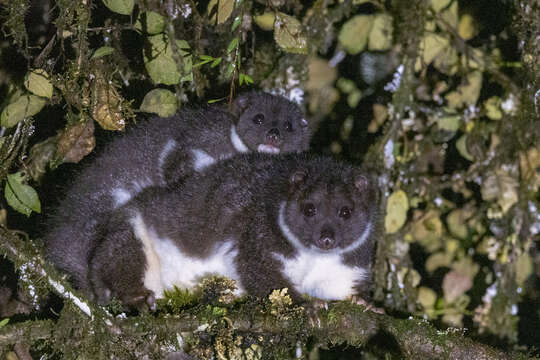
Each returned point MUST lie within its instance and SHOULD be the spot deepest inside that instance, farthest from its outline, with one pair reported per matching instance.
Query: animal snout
(327, 240)
(273, 136)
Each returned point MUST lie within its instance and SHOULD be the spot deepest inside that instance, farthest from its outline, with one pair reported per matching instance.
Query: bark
(82, 323)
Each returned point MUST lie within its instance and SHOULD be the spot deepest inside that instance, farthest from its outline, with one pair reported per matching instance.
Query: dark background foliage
(442, 101)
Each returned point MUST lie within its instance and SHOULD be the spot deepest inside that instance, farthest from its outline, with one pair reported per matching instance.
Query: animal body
(295, 221)
(161, 152)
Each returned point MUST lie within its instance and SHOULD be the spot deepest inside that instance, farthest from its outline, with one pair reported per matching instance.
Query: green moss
(175, 300)
(13, 21)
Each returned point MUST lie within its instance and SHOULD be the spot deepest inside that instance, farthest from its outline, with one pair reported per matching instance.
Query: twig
(33, 266)
(29, 330)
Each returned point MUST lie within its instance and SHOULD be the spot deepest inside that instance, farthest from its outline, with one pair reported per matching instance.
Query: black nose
(327, 240)
(273, 135)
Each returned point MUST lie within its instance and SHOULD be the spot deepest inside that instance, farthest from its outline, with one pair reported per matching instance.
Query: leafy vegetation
(440, 97)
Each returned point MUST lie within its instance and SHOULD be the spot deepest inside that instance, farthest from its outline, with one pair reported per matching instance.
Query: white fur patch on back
(237, 142)
(317, 273)
(167, 266)
(122, 195)
(201, 159)
(169, 146)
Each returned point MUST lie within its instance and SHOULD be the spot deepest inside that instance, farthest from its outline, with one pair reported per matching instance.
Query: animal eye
(345, 212)
(258, 119)
(288, 126)
(309, 210)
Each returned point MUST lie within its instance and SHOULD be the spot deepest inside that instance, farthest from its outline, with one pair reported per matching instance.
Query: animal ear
(361, 182)
(298, 177)
(240, 104)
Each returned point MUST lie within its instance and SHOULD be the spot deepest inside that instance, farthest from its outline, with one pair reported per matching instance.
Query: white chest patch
(201, 159)
(323, 276)
(167, 266)
(165, 152)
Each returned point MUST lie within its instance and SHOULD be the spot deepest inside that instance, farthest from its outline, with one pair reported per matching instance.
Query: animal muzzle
(272, 142)
(327, 241)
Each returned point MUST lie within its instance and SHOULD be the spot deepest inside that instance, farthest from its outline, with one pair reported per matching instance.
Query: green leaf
(501, 186)
(248, 79)
(461, 145)
(160, 101)
(37, 82)
(449, 122)
(437, 49)
(4, 322)
(102, 51)
(236, 23)
(265, 21)
(232, 45)
(493, 108)
(124, 7)
(230, 69)
(216, 100)
(438, 5)
(396, 211)
(467, 93)
(380, 37)
(524, 268)
(457, 223)
(354, 33)
(426, 297)
(206, 59)
(346, 85)
(427, 230)
(437, 260)
(150, 22)
(25, 106)
(216, 62)
(431, 46)
(245, 78)
(202, 63)
(160, 63)
(224, 10)
(22, 198)
(455, 284)
(288, 34)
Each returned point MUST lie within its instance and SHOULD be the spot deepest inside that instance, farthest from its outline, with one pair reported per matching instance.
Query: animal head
(269, 123)
(330, 211)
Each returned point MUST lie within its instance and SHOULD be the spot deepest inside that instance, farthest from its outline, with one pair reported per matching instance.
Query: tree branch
(341, 322)
(33, 268)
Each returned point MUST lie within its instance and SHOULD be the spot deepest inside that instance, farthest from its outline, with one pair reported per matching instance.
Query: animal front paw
(141, 299)
(312, 310)
(355, 299)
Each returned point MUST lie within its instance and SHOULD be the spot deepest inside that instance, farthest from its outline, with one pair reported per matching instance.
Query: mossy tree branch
(341, 322)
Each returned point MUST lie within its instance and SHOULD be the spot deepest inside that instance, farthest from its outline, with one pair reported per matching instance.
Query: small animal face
(330, 215)
(270, 124)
